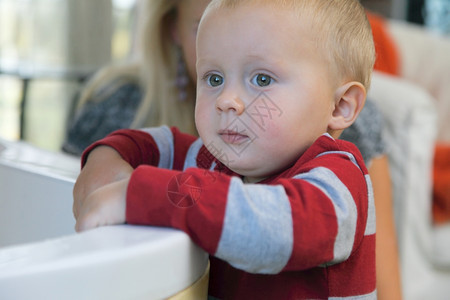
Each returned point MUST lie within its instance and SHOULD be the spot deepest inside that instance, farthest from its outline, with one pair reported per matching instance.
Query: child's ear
(349, 100)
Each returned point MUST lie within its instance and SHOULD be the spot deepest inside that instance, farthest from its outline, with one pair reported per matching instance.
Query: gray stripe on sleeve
(257, 236)
(344, 205)
(371, 218)
(192, 154)
(164, 140)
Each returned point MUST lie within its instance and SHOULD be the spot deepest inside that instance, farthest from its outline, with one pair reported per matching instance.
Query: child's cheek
(264, 114)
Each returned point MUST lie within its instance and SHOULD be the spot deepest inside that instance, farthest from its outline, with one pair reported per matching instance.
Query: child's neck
(247, 179)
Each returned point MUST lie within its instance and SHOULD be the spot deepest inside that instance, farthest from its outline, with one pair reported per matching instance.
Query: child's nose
(226, 103)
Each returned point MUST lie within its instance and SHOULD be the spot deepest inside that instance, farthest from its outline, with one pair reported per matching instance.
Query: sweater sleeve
(317, 217)
(151, 146)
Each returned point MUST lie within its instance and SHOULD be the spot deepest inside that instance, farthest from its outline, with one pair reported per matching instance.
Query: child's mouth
(233, 137)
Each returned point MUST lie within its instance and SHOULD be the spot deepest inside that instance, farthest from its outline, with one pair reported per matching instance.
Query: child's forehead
(255, 36)
(259, 14)
(296, 6)
(261, 23)
(285, 16)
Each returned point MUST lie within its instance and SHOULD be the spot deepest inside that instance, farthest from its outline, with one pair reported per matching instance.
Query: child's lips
(232, 137)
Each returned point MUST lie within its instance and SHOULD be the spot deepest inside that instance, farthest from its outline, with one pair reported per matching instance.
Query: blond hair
(342, 29)
(154, 69)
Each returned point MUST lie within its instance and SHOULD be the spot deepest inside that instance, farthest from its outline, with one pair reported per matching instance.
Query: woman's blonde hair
(154, 68)
(343, 33)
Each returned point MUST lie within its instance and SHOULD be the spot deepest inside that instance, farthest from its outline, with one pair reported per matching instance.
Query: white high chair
(41, 257)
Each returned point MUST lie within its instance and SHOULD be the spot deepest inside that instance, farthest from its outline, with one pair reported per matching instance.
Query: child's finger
(83, 225)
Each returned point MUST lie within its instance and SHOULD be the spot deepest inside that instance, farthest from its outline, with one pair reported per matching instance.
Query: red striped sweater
(305, 233)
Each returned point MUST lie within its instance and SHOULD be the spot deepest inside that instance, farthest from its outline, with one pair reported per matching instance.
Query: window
(437, 15)
(47, 48)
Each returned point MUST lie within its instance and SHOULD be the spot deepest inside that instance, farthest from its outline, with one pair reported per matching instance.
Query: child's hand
(105, 206)
(104, 166)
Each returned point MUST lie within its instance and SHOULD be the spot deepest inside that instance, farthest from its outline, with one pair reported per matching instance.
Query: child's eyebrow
(267, 59)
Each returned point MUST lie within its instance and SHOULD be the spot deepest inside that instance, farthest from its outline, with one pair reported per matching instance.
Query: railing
(27, 74)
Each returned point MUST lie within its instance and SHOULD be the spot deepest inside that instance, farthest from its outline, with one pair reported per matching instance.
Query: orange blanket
(441, 184)
(387, 59)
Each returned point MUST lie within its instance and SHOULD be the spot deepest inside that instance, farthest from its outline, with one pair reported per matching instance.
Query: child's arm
(104, 206)
(112, 160)
(103, 166)
(318, 217)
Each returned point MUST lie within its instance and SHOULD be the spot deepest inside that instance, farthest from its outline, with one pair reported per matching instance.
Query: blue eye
(215, 80)
(262, 80)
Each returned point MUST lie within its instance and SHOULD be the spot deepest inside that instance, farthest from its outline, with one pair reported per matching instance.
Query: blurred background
(49, 47)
